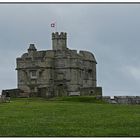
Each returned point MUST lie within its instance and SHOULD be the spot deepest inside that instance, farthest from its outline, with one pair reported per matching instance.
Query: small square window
(33, 74)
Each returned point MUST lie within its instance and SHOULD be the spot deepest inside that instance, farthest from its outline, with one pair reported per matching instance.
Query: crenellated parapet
(57, 35)
(59, 41)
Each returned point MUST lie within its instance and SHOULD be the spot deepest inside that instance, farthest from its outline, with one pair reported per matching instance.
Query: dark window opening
(60, 85)
(91, 92)
(89, 72)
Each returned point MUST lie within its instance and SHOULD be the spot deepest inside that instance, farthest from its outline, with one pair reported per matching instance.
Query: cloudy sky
(110, 31)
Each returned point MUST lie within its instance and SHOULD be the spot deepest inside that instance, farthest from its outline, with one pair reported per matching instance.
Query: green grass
(68, 116)
(85, 99)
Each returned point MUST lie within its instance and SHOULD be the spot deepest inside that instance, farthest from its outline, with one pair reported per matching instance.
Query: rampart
(122, 99)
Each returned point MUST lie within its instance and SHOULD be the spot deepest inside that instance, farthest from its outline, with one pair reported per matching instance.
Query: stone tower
(59, 41)
(57, 72)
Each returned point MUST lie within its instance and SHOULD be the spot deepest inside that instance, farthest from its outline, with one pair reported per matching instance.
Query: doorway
(61, 90)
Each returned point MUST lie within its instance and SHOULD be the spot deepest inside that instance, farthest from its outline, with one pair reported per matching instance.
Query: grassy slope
(68, 117)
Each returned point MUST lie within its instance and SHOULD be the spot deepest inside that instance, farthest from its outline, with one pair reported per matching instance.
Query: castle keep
(57, 72)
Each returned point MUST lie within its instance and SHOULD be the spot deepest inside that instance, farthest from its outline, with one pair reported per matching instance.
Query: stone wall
(13, 92)
(91, 91)
(122, 99)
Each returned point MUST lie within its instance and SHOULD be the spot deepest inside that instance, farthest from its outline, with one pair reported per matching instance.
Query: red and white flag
(53, 25)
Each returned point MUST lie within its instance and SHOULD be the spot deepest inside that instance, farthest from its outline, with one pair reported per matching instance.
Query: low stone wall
(122, 99)
(96, 91)
(12, 92)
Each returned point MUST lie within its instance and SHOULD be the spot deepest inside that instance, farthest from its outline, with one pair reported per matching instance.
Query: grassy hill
(68, 116)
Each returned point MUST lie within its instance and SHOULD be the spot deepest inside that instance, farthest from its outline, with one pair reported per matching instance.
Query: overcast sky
(110, 31)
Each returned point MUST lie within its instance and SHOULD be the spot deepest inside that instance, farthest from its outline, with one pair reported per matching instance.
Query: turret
(59, 41)
(31, 50)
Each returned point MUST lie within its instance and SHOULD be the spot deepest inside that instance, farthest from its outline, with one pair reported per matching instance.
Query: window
(89, 72)
(33, 74)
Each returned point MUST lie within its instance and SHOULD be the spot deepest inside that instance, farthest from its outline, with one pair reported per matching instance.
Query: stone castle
(57, 72)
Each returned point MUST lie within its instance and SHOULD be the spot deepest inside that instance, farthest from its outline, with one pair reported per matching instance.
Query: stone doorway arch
(61, 90)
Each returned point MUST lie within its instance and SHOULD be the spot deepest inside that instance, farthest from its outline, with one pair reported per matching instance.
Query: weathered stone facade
(57, 72)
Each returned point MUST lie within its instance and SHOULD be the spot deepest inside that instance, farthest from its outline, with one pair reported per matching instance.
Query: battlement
(59, 41)
(57, 35)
